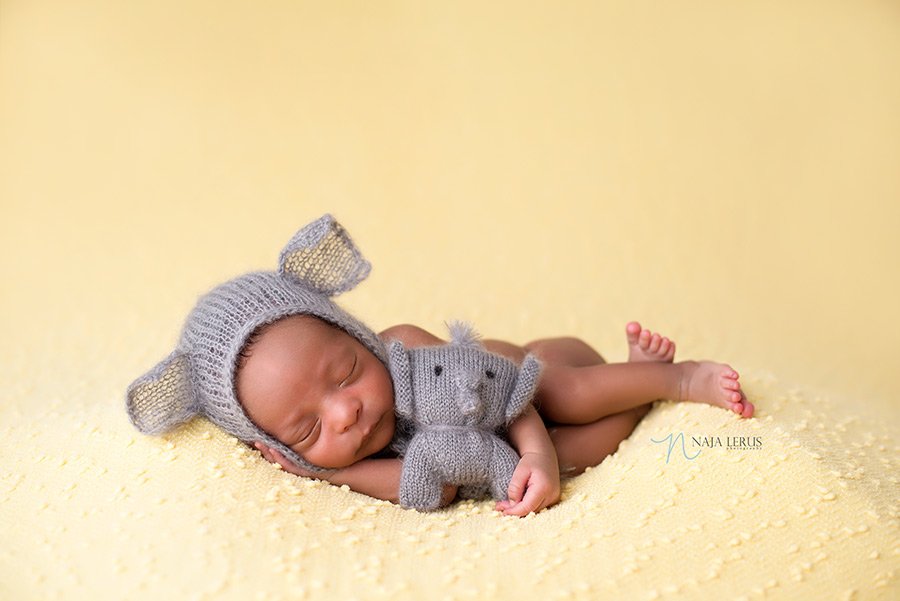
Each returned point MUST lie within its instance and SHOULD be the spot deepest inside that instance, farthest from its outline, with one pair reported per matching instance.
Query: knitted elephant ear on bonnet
(163, 398)
(319, 262)
(323, 257)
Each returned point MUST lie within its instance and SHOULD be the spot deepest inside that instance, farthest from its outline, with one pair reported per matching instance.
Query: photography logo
(692, 446)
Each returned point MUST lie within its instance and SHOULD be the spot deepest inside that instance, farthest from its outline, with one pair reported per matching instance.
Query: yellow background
(718, 171)
(727, 173)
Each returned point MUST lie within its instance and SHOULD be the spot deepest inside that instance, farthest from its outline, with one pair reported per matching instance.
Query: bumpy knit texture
(458, 396)
(199, 376)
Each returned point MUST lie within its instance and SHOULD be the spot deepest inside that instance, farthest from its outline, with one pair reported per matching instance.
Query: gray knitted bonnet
(319, 262)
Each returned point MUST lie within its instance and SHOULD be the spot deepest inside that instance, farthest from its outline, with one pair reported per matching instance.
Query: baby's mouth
(371, 431)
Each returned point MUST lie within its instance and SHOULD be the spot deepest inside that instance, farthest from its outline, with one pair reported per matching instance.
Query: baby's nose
(345, 413)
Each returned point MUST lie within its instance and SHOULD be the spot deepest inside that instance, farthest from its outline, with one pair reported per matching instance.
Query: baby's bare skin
(587, 405)
(579, 394)
(643, 345)
(705, 382)
(715, 384)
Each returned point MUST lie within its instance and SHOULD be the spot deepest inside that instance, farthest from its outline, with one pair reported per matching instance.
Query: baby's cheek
(317, 457)
(332, 454)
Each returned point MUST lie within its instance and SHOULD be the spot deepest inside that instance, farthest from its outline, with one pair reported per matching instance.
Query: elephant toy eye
(490, 374)
(438, 369)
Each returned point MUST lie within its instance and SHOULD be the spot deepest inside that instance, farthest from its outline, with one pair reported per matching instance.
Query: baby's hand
(274, 456)
(534, 485)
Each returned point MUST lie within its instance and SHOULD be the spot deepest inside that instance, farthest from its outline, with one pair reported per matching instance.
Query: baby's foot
(715, 384)
(643, 345)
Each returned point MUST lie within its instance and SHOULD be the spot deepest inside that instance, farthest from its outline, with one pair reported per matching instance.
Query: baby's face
(319, 391)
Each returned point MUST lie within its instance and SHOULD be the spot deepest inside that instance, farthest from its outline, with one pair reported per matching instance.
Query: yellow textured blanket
(726, 176)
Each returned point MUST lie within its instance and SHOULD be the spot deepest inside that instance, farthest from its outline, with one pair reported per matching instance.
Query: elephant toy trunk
(469, 394)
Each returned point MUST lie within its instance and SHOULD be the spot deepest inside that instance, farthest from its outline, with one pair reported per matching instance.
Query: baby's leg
(572, 352)
(581, 395)
(643, 345)
(586, 445)
(564, 358)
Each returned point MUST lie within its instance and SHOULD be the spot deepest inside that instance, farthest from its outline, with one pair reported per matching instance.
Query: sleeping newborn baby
(270, 358)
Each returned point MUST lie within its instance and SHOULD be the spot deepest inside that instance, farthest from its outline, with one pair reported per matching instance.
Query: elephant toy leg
(420, 484)
(476, 491)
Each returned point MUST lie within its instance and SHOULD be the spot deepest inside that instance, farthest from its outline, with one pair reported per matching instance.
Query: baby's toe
(664, 346)
(730, 384)
(742, 406)
(655, 341)
(644, 339)
(670, 352)
(632, 332)
(748, 409)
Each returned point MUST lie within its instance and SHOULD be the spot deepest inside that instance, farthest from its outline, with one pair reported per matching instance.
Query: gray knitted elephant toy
(458, 397)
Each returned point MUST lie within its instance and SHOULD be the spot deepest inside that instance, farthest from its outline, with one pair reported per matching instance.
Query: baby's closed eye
(308, 432)
(350, 373)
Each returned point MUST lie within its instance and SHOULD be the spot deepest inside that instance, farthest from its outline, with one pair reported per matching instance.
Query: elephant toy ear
(401, 376)
(323, 257)
(525, 387)
(163, 398)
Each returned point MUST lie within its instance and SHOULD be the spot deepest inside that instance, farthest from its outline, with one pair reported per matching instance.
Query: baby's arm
(379, 478)
(535, 483)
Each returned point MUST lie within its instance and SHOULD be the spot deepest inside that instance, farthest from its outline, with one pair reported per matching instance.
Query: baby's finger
(521, 509)
(264, 450)
(532, 501)
(503, 505)
(280, 460)
(516, 488)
